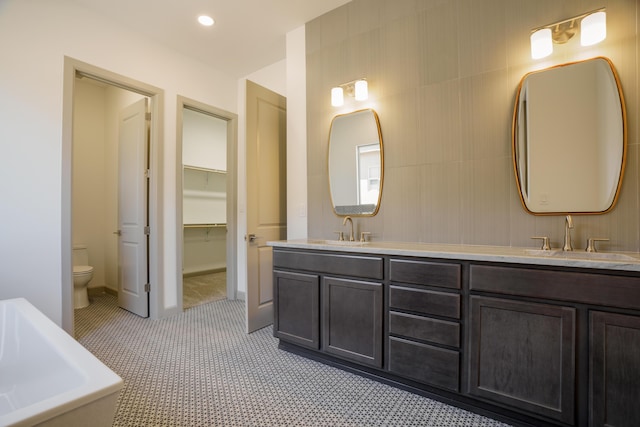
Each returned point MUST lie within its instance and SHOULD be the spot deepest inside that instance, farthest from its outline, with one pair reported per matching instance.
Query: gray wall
(443, 76)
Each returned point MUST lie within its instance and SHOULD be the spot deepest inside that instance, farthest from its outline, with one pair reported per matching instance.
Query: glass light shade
(205, 20)
(337, 97)
(362, 91)
(541, 43)
(593, 29)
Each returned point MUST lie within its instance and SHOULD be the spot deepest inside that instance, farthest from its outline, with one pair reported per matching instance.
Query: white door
(266, 197)
(133, 148)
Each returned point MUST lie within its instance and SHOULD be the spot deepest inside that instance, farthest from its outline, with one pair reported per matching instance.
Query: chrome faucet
(568, 225)
(348, 218)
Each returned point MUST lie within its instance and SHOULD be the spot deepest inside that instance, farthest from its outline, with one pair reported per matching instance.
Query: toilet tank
(80, 255)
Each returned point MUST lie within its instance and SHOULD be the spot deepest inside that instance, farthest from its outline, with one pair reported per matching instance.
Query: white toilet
(82, 274)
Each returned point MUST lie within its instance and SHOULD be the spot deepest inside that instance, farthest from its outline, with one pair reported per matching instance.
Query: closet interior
(204, 204)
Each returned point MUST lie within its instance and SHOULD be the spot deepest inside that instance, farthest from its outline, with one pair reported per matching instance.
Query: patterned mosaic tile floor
(200, 369)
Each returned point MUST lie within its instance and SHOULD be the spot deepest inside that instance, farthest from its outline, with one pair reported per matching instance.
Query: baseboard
(200, 273)
(240, 296)
(98, 290)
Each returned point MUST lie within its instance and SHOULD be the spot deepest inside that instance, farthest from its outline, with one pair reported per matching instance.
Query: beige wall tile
(334, 27)
(482, 36)
(441, 202)
(624, 225)
(364, 16)
(403, 220)
(486, 115)
(399, 53)
(395, 9)
(440, 123)
(443, 75)
(438, 43)
(485, 201)
(399, 126)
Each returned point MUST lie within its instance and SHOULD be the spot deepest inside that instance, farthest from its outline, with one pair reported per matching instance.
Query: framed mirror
(569, 138)
(355, 163)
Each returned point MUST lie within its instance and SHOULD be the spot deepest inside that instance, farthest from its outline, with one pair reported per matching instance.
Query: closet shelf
(205, 225)
(198, 168)
(203, 194)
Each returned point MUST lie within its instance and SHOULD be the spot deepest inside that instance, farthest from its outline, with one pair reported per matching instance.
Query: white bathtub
(46, 377)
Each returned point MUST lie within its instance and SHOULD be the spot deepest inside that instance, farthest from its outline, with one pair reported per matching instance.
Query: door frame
(232, 192)
(73, 67)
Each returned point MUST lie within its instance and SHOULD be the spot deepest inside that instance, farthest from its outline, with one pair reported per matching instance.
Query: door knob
(252, 238)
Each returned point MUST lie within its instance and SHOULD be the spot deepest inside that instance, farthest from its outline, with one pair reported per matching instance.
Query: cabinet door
(297, 308)
(614, 362)
(523, 355)
(352, 320)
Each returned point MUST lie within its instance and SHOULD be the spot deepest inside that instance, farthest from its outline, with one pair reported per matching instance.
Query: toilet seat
(82, 269)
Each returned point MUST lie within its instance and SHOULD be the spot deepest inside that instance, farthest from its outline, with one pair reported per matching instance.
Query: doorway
(206, 155)
(110, 190)
(159, 304)
(204, 208)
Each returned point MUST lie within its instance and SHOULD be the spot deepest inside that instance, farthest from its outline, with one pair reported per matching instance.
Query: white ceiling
(248, 34)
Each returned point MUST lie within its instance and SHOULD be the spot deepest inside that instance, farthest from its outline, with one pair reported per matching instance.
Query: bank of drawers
(424, 322)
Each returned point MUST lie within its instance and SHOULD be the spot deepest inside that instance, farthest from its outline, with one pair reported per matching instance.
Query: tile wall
(442, 77)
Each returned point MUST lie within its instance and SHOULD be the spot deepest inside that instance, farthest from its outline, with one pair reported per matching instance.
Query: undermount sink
(337, 242)
(602, 256)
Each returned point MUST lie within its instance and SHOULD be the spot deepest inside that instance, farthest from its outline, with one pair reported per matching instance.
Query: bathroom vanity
(527, 337)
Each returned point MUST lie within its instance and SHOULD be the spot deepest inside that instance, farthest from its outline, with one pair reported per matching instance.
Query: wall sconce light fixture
(337, 96)
(358, 89)
(593, 29)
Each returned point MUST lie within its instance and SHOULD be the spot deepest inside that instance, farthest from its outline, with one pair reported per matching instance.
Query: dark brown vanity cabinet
(424, 322)
(523, 355)
(614, 365)
(535, 345)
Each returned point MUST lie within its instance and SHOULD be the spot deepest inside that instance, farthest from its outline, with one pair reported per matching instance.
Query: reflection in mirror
(569, 138)
(356, 163)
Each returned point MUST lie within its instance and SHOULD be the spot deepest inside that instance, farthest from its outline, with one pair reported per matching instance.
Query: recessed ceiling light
(205, 20)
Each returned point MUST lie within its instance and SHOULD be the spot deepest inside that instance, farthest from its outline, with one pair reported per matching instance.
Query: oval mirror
(356, 163)
(569, 138)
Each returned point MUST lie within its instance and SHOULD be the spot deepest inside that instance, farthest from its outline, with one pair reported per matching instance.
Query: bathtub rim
(100, 380)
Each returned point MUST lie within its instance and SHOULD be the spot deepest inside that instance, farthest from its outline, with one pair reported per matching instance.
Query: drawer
(424, 301)
(425, 329)
(368, 267)
(589, 288)
(424, 363)
(425, 273)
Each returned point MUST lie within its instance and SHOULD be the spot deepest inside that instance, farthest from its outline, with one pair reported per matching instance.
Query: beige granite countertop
(625, 261)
